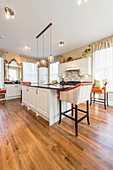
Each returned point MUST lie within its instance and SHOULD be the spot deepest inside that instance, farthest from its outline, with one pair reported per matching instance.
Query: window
(54, 71)
(1, 71)
(103, 66)
(30, 72)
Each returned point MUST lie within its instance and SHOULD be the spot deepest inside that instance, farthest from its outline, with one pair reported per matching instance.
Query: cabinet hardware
(36, 91)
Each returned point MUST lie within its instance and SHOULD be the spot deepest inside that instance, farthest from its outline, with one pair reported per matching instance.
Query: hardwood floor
(28, 143)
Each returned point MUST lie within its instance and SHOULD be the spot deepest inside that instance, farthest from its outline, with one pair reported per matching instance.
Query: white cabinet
(43, 102)
(32, 98)
(13, 91)
(85, 66)
(25, 96)
(43, 75)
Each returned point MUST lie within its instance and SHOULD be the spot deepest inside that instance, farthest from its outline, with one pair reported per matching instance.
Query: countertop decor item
(69, 59)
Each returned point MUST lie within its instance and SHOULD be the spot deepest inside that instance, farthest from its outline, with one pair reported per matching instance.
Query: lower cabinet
(43, 102)
(32, 98)
(13, 91)
(36, 99)
(25, 96)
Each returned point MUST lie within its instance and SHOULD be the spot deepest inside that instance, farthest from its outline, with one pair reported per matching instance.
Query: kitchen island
(43, 100)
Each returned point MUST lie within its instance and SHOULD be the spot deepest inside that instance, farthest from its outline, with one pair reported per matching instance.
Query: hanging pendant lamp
(43, 61)
(51, 58)
(38, 63)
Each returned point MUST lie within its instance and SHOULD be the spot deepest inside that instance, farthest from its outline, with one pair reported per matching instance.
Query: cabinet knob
(36, 91)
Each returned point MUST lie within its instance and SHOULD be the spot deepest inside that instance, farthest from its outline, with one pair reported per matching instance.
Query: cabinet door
(17, 90)
(43, 102)
(10, 91)
(85, 66)
(25, 95)
(32, 98)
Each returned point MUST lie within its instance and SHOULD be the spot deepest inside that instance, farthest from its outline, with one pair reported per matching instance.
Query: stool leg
(94, 97)
(76, 120)
(88, 112)
(60, 112)
(90, 98)
(105, 101)
(72, 110)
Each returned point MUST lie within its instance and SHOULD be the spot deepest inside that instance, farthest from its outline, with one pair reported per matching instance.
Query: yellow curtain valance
(102, 44)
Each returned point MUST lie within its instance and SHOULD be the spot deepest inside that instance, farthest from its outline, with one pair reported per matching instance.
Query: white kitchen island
(43, 100)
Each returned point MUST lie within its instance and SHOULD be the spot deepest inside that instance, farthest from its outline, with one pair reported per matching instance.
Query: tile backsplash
(72, 76)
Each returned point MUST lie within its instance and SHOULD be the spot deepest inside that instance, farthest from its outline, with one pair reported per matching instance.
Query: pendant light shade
(51, 58)
(43, 61)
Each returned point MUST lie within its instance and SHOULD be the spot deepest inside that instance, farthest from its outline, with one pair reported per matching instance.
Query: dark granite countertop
(53, 87)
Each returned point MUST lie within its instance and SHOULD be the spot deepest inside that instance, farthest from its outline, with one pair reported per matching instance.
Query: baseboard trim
(110, 103)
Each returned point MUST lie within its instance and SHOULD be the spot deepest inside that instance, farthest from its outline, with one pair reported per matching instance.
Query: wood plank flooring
(28, 143)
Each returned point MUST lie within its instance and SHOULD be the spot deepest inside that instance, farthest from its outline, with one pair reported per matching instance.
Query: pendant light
(43, 61)
(51, 58)
(38, 63)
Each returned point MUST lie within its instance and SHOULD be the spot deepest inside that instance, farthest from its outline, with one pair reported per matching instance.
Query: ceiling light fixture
(43, 61)
(61, 44)
(2, 37)
(51, 58)
(27, 47)
(9, 13)
(80, 2)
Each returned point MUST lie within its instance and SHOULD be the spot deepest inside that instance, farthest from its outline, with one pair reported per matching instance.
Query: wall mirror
(12, 71)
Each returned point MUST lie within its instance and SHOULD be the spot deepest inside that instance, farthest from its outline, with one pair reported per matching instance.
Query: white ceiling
(76, 26)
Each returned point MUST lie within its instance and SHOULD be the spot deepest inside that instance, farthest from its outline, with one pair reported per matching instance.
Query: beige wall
(75, 53)
(8, 55)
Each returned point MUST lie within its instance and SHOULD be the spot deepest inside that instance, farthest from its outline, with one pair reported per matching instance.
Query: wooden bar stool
(76, 95)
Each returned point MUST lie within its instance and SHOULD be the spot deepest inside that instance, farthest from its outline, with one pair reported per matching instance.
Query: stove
(74, 83)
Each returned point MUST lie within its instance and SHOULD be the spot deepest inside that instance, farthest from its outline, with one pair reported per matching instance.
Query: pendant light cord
(43, 46)
(37, 48)
(51, 40)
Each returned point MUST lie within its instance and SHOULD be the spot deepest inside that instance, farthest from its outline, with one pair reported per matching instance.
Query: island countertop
(53, 87)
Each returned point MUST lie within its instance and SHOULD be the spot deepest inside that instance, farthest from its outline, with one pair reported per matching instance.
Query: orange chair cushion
(2, 91)
(26, 83)
(97, 90)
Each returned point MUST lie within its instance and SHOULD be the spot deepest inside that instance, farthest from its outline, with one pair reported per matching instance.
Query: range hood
(71, 68)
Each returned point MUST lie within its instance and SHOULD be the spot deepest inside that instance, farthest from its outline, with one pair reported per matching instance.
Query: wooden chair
(76, 95)
(101, 91)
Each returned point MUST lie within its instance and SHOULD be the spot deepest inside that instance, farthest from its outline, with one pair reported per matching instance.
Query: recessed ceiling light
(79, 2)
(61, 44)
(9, 13)
(27, 47)
(2, 37)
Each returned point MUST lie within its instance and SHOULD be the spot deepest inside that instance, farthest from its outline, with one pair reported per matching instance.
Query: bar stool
(76, 95)
(2, 94)
(101, 91)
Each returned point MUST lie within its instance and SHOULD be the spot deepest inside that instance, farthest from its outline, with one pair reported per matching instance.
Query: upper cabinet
(83, 65)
